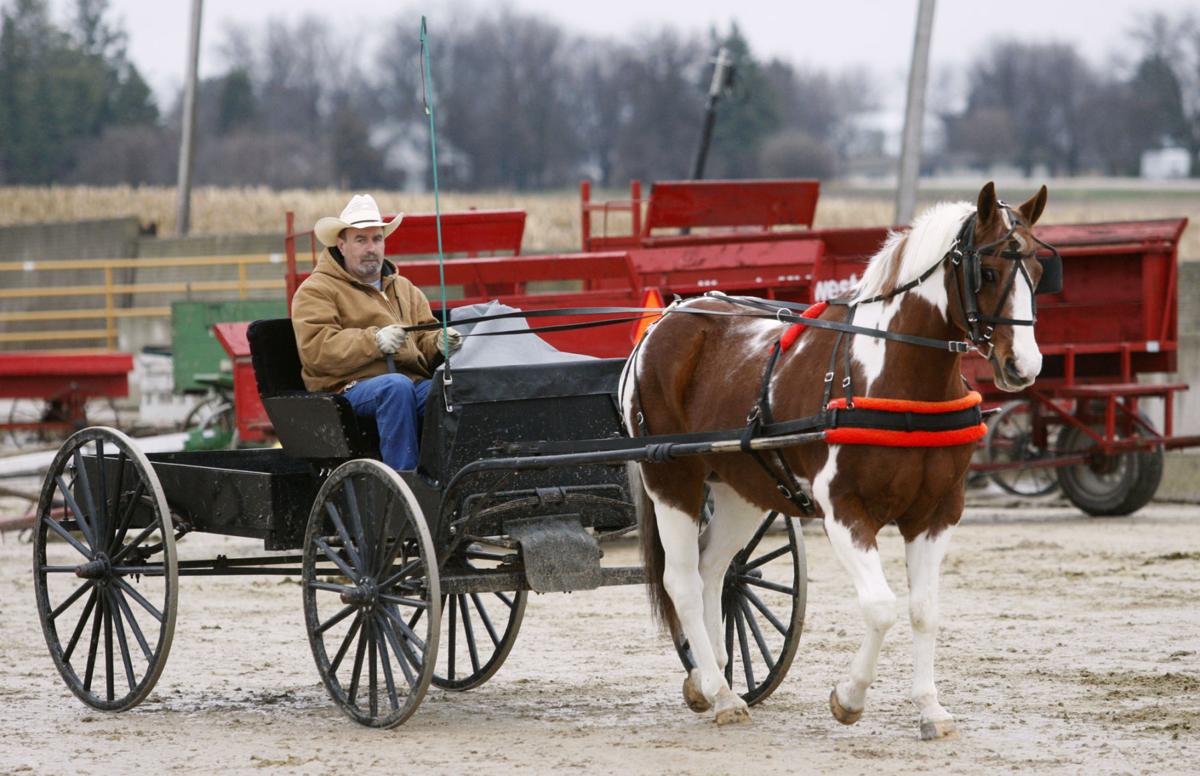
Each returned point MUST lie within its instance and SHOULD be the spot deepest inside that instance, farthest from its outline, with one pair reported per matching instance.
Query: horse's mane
(905, 255)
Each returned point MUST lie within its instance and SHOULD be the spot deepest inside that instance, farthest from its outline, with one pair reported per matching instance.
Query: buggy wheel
(762, 607)
(1109, 485)
(104, 569)
(213, 413)
(372, 600)
(1010, 439)
(478, 629)
(44, 422)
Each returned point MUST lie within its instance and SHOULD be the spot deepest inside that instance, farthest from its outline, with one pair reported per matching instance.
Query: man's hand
(454, 337)
(390, 338)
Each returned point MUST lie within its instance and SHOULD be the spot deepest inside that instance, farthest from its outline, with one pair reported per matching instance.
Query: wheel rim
(1010, 439)
(765, 589)
(371, 594)
(105, 569)
(478, 629)
(1103, 478)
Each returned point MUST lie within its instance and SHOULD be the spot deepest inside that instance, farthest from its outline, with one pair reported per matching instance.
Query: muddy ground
(1068, 645)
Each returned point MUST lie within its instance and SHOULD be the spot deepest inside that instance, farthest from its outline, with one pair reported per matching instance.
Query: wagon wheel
(55, 410)
(104, 554)
(375, 599)
(767, 601)
(214, 413)
(1109, 485)
(1010, 439)
(478, 629)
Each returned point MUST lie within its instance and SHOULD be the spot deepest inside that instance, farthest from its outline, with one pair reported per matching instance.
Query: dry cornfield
(553, 216)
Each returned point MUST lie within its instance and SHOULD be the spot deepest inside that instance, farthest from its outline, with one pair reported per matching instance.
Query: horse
(703, 370)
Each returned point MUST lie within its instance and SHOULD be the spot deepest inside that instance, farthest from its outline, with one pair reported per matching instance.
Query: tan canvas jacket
(335, 318)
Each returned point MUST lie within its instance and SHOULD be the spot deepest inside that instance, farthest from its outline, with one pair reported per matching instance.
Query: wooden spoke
(759, 639)
(762, 608)
(744, 647)
(334, 516)
(86, 586)
(92, 646)
(87, 610)
(122, 642)
(337, 560)
(335, 619)
(487, 622)
(80, 518)
(763, 560)
(386, 664)
(65, 535)
(749, 580)
(128, 588)
(341, 653)
(81, 477)
(127, 516)
(133, 623)
(758, 534)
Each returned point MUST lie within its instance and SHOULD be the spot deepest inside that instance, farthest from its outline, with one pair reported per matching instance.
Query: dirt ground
(1068, 645)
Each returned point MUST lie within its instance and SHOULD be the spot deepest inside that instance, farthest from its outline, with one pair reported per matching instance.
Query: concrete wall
(46, 243)
(120, 238)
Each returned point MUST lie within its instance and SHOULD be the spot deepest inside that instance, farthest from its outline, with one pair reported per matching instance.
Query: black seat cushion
(275, 357)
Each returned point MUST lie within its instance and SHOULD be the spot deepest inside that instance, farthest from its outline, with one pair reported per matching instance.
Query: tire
(104, 542)
(1010, 439)
(1110, 486)
(371, 593)
(762, 636)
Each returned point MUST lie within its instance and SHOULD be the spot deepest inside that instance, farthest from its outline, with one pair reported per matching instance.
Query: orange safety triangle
(652, 299)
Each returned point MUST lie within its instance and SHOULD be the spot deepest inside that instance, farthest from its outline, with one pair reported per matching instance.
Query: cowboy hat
(360, 213)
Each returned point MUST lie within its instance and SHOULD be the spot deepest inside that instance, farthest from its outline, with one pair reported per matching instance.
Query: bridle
(964, 255)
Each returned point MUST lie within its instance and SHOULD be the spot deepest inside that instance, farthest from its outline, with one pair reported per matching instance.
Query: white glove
(455, 340)
(390, 338)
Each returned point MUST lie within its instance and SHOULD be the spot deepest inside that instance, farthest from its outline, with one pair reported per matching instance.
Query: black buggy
(408, 578)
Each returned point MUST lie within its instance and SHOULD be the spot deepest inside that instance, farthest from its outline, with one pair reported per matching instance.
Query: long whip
(427, 98)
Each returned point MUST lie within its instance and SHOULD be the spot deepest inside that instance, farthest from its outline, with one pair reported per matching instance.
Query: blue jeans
(395, 402)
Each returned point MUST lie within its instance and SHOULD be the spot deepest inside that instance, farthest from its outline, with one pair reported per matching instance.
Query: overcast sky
(834, 33)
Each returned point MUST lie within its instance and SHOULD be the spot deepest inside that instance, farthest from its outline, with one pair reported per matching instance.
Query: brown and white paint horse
(699, 373)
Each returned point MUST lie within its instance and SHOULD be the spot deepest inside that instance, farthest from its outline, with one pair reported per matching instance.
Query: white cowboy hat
(361, 213)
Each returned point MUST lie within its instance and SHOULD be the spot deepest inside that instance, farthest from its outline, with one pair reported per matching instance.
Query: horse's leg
(876, 599)
(923, 556)
(734, 521)
(679, 533)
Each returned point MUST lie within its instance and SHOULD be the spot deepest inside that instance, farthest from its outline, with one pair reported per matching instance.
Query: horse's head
(995, 275)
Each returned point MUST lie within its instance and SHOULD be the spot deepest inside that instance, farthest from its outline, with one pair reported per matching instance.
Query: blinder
(1051, 281)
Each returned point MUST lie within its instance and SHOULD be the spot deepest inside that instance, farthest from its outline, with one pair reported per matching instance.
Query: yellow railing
(106, 308)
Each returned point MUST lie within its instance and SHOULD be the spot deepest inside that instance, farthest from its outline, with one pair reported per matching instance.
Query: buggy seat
(320, 426)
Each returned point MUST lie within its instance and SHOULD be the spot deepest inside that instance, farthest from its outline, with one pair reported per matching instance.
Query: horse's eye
(989, 275)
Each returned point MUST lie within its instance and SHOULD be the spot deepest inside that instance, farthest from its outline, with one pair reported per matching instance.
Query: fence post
(110, 323)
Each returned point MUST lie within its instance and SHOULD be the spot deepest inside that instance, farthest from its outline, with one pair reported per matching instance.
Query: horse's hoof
(844, 715)
(692, 696)
(733, 714)
(932, 730)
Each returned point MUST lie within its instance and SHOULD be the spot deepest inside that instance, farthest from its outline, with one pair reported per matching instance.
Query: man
(350, 315)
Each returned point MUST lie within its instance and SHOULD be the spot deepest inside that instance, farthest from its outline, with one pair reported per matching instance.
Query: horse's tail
(653, 559)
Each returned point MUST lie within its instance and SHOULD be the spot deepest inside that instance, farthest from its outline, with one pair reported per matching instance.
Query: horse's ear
(1032, 210)
(985, 206)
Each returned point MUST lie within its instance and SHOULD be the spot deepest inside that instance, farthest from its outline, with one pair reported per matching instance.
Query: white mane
(923, 244)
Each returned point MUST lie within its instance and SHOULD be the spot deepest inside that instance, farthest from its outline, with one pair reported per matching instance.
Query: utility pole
(183, 193)
(722, 72)
(914, 115)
